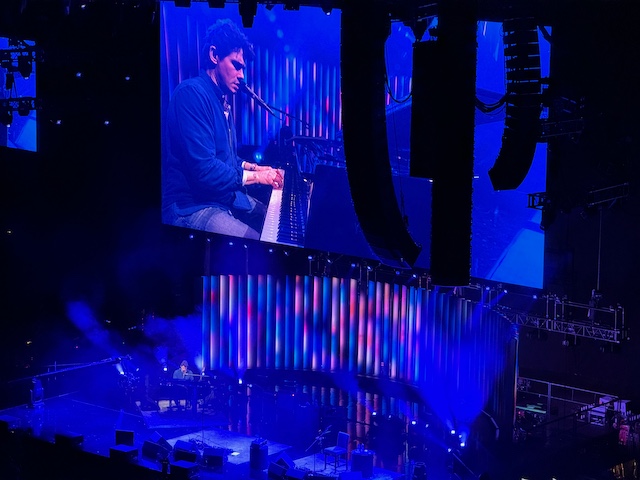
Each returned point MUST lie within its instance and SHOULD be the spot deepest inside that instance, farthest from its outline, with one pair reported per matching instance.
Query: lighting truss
(19, 57)
(578, 329)
(537, 200)
(20, 104)
(567, 116)
(560, 128)
(608, 194)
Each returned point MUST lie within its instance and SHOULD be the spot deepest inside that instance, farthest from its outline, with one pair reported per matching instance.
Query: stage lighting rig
(19, 57)
(248, 10)
(25, 65)
(327, 6)
(6, 117)
(22, 105)
(10, 81)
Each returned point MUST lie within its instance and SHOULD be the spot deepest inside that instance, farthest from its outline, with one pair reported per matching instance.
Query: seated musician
(182, 374)
(204, 180)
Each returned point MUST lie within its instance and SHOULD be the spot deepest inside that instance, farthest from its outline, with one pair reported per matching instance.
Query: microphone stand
(318, 440)
(304, 124)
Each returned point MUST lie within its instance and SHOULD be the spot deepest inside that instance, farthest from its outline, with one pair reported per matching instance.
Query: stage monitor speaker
(156, 448)
(124, 437)
(295, 474)
(154, 451)
(185, 451)
(285, 461)
(276, 471)
(183, 470)
(159, 439)
(124, 453)
(214, 457)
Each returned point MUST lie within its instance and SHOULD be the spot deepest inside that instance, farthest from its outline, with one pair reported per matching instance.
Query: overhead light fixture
(248, 10)
(6, 117)
(24, 108)
(216, 3)
(25, 66)
(10, 81)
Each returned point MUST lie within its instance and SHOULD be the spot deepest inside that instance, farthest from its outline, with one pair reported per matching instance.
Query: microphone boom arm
(248, 91)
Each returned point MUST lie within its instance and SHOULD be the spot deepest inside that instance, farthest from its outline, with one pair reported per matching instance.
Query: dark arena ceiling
(35, 17)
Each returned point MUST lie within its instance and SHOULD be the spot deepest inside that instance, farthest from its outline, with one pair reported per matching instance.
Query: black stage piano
(179, 390)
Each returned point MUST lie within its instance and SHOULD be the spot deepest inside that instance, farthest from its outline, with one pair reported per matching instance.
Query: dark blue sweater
(200, 163)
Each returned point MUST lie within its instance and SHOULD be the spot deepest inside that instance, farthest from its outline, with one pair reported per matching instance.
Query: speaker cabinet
(276, 471)
(183, 470)
(285, 461)
(258, 455)
(185, 451)
(124, 453)
(295, 474)
(214, 457)
(124, 437)
(156, 448)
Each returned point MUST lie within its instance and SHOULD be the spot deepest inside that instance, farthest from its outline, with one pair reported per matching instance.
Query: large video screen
(282, 100)
(277, 104)
(18, 125)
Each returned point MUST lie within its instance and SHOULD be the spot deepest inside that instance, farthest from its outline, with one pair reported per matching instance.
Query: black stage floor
(74, 436)
(70, 422)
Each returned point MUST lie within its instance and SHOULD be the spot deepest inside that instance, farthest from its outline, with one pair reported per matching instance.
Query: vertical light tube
(363, 324)
(298, 322)
(232, 323)
(279, 324)
(335, 323)
(270, 326)
(353, 325)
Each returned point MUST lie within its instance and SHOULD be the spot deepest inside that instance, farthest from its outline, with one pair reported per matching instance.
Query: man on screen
(204, 180)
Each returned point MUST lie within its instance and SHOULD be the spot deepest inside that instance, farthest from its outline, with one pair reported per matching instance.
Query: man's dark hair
(184, 363)
(226, 37)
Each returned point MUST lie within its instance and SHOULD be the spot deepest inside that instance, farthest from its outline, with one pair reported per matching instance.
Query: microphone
(247, 91)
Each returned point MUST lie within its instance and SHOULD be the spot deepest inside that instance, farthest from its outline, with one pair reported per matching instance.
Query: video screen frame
(304, 137)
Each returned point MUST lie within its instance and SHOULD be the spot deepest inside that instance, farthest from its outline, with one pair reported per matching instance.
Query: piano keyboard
(286, 219)
(272, 219)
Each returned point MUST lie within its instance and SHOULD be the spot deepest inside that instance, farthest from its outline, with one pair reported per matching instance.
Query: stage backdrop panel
(460, 355)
